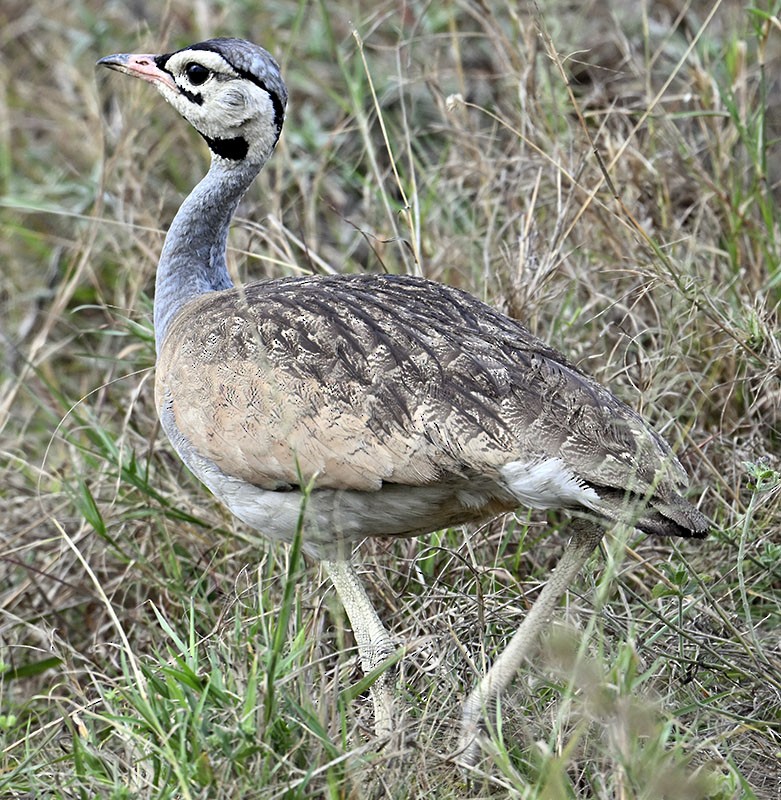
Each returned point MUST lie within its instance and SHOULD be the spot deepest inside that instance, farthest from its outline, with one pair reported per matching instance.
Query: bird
(349, 406)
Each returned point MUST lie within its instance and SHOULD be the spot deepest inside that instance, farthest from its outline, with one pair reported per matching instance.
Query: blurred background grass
(470, 143)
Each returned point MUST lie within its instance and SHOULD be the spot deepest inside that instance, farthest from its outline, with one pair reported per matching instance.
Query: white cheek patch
(547, 484)
(235, 106)
(234, 99)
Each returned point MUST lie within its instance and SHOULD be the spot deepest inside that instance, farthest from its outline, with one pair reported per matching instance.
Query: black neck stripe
(279, 109)
(233, 149)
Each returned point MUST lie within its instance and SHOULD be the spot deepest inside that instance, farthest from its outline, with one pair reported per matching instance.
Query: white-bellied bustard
(400, 404)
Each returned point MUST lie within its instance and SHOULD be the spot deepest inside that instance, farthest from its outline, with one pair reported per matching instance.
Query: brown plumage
(357, 382)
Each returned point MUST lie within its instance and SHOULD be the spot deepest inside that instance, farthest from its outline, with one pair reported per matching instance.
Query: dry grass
(138, 621)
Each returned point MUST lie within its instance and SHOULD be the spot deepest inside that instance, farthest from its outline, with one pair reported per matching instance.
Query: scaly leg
(374, 641)
(482, 700)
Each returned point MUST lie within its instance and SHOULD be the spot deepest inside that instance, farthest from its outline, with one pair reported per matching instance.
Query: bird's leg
(482, 700)
(374, 641)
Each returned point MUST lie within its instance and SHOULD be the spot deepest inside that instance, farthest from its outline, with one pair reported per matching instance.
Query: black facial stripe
(279, 109)
(232, 149)
(193, 97)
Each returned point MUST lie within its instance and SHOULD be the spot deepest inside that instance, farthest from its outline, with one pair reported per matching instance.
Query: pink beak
(139, 65)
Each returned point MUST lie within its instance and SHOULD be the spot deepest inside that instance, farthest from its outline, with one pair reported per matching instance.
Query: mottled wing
(354, 382)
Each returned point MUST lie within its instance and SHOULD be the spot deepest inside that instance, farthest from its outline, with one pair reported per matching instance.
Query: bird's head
(229, 90)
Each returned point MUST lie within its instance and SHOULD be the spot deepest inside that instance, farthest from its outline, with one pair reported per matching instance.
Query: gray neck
(193, 258)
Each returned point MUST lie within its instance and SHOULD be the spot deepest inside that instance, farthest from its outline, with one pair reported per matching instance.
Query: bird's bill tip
(138, 65)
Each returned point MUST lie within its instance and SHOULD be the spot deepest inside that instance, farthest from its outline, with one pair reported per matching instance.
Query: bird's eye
(197, 74)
